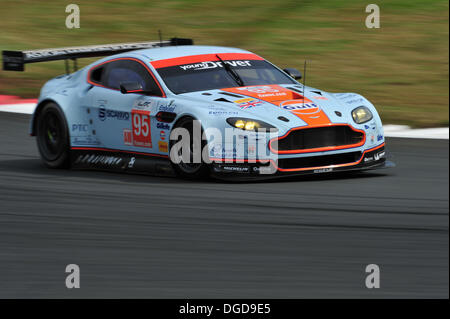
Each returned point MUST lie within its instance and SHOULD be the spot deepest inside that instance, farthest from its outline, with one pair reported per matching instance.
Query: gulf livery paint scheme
(316, 130)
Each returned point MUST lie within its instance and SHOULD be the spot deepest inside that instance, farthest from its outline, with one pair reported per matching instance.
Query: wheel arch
(38, 109)
(182, 117)
(204, 169)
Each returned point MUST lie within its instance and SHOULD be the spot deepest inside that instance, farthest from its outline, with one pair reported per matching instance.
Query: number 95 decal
(141, 128)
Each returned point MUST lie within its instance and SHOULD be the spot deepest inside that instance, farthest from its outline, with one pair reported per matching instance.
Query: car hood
(280, 105)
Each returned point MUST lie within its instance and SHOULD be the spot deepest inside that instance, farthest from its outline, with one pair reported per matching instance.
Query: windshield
(188, 74)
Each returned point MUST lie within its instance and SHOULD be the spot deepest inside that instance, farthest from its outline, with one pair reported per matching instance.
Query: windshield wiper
(232, 72)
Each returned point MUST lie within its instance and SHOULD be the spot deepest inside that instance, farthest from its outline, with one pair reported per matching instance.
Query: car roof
(184, 50)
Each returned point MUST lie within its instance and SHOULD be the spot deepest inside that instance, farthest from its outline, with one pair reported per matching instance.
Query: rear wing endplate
(16, 60)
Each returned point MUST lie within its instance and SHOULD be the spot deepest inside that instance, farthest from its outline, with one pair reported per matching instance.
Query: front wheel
(52, 136)
(188, 165)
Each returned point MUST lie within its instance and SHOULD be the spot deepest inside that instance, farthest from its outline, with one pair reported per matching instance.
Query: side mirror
(293, 73)
(131, 87)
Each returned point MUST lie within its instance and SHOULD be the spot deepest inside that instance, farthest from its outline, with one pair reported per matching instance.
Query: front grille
(319, 161)
(319, 137)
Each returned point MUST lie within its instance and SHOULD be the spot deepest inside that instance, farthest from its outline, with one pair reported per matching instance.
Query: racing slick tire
(189, 170)
(52, 136)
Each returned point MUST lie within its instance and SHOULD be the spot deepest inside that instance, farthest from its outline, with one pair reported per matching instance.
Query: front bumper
(374, 158)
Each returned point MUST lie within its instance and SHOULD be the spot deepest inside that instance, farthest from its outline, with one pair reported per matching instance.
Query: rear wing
(16, 60)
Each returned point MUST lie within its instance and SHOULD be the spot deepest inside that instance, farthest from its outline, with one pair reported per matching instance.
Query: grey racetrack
(154, 237)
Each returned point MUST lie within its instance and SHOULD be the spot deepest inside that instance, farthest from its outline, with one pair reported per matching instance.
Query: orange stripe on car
(219, 160)
(203, 58)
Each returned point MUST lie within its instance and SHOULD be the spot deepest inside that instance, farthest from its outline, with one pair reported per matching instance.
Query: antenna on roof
(160, 37)
(304, 84)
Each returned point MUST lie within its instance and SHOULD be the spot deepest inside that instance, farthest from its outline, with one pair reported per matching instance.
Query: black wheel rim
(51, 135)
(190, 167)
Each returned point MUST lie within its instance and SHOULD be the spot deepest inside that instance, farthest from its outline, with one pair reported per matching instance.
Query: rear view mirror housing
(131, 87)
(293, 73)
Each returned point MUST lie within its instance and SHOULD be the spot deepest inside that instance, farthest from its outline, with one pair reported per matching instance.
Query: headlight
(361, 115)
(249, 124)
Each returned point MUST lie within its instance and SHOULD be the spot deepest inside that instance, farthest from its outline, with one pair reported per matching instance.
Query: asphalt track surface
(154, 237)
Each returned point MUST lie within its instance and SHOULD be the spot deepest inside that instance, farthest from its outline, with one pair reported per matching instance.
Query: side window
(96, 75)
(112, 74)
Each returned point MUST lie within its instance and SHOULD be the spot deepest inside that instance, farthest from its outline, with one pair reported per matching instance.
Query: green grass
(401, 67)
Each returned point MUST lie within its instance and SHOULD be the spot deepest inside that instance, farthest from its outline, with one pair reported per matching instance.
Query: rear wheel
(191, 168)
(52, 136)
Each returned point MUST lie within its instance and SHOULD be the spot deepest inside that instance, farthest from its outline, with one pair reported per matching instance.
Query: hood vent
(296, 90)
(231, 94)
(222, 100)
(282, 118)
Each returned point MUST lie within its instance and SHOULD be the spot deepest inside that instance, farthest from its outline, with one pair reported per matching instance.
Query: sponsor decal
(323, 170)
(372, 138)
(298, 107)
(167, 107)
(163, 147)
(251, 149)
(247, 103)
(162, 135)
(366, 127)
(80, 127)
(234, 59)
(131, 162)
(247, 99)
(379, 155)
(268, 93)
(87, 49)
(220, 111)
(376, 157)
(379, 137)
(212, 65)
(141, 132)
(263, 92)
(354, 98)
(240, 169)
(127, 137)
(359, 100)
(344, 96)
(320, 98)
(142, 105)
(222, 151)
(286, 99)
(85, 140)
(259, 89)
(162, 126)
(93, 159)
(104, 113)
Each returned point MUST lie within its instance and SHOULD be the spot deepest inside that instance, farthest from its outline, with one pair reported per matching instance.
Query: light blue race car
(174, 108)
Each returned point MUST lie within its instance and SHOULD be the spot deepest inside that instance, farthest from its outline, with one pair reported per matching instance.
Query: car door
(123, 121)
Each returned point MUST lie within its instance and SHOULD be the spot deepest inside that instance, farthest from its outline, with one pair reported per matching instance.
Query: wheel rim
(51, 135)
(191, 167)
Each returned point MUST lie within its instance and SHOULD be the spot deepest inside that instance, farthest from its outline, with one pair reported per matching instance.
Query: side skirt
(120, 161)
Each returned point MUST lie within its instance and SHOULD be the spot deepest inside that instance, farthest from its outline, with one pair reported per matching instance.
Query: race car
(174, 108)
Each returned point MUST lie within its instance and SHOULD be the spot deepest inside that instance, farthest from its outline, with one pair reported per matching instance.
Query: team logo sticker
(300, 106)
(259, 89)
(264, 92)
(140, 134)
(247, 103)
(163, 146)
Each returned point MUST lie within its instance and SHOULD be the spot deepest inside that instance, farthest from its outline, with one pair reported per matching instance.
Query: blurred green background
(401, 67)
